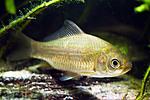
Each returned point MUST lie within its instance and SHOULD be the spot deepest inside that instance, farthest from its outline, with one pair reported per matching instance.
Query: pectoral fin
(68, 76)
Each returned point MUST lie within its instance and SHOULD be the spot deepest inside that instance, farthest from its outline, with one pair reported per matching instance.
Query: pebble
(44, 86)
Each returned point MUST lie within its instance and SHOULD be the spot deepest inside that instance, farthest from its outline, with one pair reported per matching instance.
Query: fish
(75, 52)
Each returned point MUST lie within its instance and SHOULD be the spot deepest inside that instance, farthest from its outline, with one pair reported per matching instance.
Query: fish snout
(128, 67)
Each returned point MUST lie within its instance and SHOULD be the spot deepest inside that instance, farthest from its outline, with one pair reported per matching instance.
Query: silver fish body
(72, 50)
(75, 51)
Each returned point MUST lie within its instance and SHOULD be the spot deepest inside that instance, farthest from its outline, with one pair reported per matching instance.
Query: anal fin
(41, 67)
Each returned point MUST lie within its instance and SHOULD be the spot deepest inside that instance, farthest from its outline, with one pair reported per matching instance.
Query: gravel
(25, 85)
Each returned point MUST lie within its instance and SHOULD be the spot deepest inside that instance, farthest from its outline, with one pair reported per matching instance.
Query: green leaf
(141, 8)
(147, 2)
(10, 6)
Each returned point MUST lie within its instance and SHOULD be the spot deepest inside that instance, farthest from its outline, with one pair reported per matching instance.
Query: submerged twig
(143, 84)
(19, 20)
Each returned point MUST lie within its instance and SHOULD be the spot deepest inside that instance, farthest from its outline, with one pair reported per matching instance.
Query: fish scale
(80, 41)
(72, 64)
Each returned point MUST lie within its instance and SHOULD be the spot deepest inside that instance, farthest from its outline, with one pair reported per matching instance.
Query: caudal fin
(19, 47)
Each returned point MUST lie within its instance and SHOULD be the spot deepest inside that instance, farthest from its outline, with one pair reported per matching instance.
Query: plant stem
(21, 19)
(143, 84)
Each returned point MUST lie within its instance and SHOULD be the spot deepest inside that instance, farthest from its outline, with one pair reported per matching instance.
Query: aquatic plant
(30, 14)
(145, 85)
(144, 91)
(143, 7)
(10, 6)
(26, 16)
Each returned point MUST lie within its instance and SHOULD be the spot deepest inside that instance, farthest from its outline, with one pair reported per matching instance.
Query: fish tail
(19, 47)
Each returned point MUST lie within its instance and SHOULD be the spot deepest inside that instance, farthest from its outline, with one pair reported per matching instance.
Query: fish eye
(115, 63)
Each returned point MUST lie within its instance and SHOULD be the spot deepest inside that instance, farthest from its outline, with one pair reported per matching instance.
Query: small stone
(68, 98)
(1, 84)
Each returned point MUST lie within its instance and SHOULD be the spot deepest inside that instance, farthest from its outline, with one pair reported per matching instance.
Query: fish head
(111, 62)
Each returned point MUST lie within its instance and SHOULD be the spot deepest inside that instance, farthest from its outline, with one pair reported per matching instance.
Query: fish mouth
(127, 68)
(119, 72)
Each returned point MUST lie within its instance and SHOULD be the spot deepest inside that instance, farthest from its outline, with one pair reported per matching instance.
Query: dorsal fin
(69, 28)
